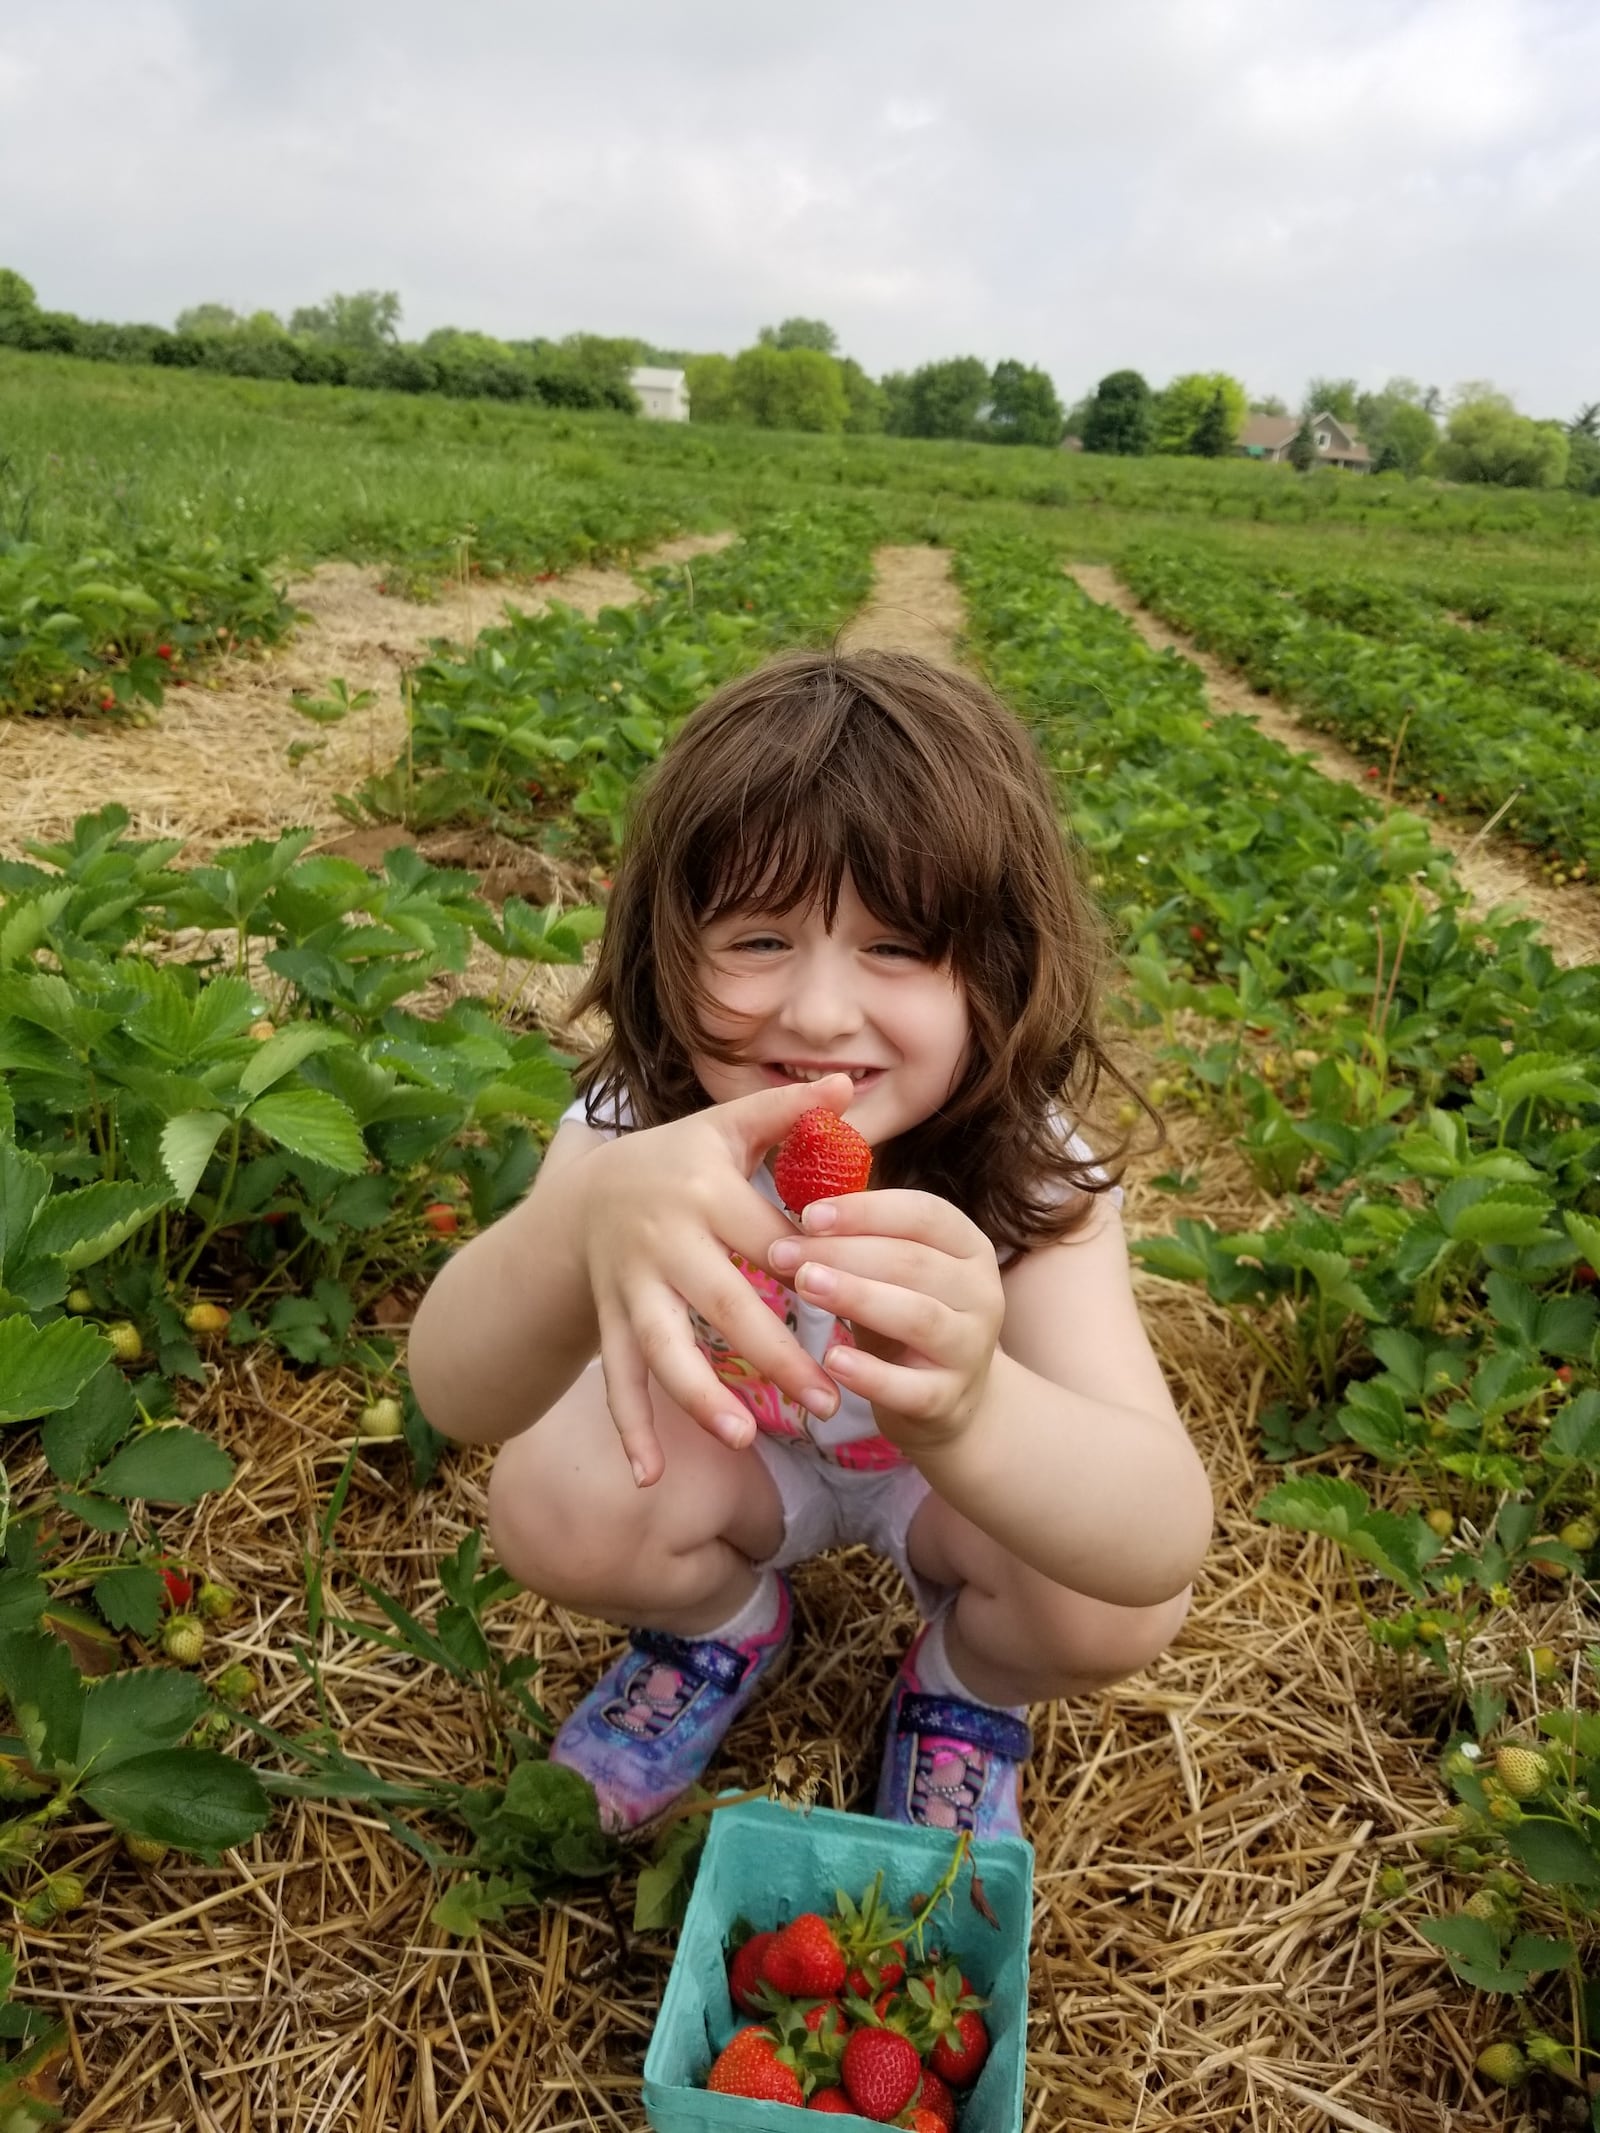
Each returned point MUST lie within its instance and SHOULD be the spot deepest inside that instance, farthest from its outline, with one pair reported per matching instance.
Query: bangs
(860, 798)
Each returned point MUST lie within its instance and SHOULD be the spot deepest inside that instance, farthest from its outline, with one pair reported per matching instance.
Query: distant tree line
(348, 340)
(1409, 429)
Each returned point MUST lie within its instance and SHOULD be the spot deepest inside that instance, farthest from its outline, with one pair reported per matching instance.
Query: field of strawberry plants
(1484, 746)
(261, 1676)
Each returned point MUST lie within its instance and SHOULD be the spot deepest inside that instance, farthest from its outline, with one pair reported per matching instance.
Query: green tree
(1388, 460)
(1269, 404)
(1332, 396)
(1214, 434)
(1024, 406)
(208, 319)
(1185, 403)
(1396, 416)
(939, 399)
(1486, 440)
(789, 389)
(1413, 433)
(814, 333)
(864, 400)
(1121, 415)
(1302, 453)
(17, 299)
(368, 319)
(711, 394)
(1583, 450)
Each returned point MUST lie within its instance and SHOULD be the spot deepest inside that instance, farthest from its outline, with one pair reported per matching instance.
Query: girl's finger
(921, 1323)
(915, 1394)
(920, 1216)
(627, 1382)
(890, 1259)
(725, 1300)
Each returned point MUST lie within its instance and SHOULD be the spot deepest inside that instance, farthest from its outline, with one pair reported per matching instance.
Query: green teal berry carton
(765, 1863)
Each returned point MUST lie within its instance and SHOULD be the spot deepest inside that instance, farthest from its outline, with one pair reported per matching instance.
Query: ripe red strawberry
(441, 1218)
(180, 1590)
(881, 2071)
(937, 2096)
(750, 2067)
(922, 2120)
(833, 2101)
(827, 2021)
(959, 2059)
(821, 1155)
(163, 651)
(888, 1968)
(744, 1972)
(804, 1959)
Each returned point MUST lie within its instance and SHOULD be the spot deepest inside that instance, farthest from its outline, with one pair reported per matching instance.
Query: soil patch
(914, 607)
(1493, 874)
(213, 767)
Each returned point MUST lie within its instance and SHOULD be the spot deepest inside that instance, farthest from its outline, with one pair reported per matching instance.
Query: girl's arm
(1076, 1458)
(616, 1245)
(510, 1321)
(1029, 1398)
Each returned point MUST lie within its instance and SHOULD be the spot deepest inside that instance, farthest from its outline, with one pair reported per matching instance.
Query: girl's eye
(908, 949)
(758, 942)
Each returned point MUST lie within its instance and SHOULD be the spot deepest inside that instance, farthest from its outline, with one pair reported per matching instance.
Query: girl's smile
(800, 1001)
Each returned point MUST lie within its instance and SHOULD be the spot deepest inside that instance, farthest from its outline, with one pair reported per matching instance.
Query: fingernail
(734, 1430)
(817, 1280)
(822, 1400)
(786, 1254)
(638, 1472)
(819, 1216)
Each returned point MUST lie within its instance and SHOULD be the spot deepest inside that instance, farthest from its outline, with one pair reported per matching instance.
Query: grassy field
(278, 1832)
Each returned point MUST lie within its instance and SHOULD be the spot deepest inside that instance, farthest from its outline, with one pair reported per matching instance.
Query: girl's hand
(662, 1209)
(910, 1272)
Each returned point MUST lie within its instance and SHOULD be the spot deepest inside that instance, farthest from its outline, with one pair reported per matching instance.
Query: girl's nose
(821, 1006)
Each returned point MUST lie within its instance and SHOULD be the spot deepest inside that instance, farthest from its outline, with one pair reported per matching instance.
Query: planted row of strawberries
(1417, 1089)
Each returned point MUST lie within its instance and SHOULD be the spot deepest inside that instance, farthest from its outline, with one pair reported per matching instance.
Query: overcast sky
(1359, 187)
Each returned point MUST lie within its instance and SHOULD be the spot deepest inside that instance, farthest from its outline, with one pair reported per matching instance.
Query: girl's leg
(1014, 1637)
(567, 1521)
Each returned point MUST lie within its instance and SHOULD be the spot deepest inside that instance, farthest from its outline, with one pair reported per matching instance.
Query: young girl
(844, 885)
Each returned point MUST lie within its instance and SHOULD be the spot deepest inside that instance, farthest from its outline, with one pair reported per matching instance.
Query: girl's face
(799, 1001)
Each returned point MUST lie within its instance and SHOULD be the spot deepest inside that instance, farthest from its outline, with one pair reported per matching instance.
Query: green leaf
(24, 1182)
(1316, 1503)
(281, 1054)
(475, 1901)
(1473, 1939)
(312, 1123)
(1486, 1213)
(187, 1144)
(44, 1692)
(130, 1597)
(94, 1511)
(130, 1714)
(81, 1227)
(22, 1598)
(44, 1368)
(190, 1797)
(1584, 1231)
(76, 1440)
(168, 1465)
(1554, 1853)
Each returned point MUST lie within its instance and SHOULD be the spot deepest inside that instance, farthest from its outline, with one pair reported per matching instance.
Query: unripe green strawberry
(1545, 1664)
(1392, 1882)
(1505, 1812)
(1502, 2064)
(1485, 1904)
(204, 1318)
(184, 1639)
(1580, 1535)
(1504, 1884)
(1522, 1771)
(149, 1851)
(384, 1418)
(237, 1683)
(60, 1894)
(79, 1301)
(127, 1342)
(1441, 1522)
(216, 1601)
(19, 1841)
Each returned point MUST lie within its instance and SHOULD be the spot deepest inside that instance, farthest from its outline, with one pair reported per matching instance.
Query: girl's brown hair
(929, 793)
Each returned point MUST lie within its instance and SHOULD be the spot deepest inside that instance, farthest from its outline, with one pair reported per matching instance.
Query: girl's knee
(561, 1522)
(1090, 1640)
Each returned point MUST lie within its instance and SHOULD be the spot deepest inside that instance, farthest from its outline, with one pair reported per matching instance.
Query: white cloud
(1176, 184)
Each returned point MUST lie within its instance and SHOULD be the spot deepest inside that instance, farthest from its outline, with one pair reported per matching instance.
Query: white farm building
(662, 393)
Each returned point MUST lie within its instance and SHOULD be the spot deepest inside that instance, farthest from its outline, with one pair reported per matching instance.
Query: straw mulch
(213, 766)
(1493, 870)
(1207, 1834)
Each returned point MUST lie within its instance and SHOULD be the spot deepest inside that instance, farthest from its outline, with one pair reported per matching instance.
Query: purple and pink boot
(650, 1725)
(950, 1764)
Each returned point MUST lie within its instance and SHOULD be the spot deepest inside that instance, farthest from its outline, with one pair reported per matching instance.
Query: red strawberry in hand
(804, 1960)
(750, 2067)
(821, 1155)
(881, 2071)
